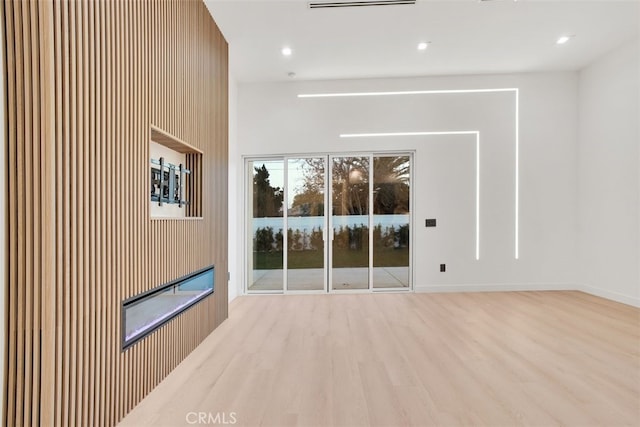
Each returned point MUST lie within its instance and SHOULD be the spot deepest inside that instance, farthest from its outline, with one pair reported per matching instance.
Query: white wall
(609, 181)
(272, 120)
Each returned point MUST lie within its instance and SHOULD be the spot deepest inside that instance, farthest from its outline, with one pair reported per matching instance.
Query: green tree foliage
(279, 239)
(377, 237)
(296, 241)
(263, 240)
(316, 239)
(341, 238)
(289, 239)
(267, 200)
(358, 237)
(403, 236)
(390, 238)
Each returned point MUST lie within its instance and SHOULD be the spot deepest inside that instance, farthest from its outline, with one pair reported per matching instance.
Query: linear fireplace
(146, 312)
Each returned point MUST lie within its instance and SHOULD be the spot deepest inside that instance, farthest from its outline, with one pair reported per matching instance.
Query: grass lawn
(341, 258)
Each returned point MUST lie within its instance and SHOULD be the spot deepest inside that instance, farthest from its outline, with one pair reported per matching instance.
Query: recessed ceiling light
(286, 51)
(423, 45)
(563, 39)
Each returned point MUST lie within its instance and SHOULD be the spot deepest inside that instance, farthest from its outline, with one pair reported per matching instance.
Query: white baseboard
(501, 287)
(510, 287)
(613, 296)
(232, 291)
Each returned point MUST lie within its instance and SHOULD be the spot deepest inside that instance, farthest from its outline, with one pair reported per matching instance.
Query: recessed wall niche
(175, 177)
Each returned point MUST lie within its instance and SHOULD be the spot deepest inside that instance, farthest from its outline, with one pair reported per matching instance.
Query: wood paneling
(170, 141)
(85, 81)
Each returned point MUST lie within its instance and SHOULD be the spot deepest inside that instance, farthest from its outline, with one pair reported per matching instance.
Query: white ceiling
(467, 37)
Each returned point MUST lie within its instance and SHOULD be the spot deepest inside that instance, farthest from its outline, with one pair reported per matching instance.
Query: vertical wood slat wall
(85, 81)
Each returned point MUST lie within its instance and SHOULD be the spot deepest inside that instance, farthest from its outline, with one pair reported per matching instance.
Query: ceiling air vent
(326, 4)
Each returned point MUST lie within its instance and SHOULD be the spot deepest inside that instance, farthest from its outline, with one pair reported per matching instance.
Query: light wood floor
(500, 359)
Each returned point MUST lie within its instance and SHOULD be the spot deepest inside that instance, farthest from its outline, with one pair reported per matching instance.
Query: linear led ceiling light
(333, 4)
(516, 91)
(369, 135)
(402, 92)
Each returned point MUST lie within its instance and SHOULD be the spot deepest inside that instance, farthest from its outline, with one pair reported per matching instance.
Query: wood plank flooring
(499, 359)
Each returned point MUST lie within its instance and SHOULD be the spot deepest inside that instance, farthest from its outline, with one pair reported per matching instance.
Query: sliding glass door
(265, 203)
(391, 221)
(350, 222)
(329, 223)
(306, 224)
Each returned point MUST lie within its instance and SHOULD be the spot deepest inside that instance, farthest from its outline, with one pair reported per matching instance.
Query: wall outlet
(443, 268)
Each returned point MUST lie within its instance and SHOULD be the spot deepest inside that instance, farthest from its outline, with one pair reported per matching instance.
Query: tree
(309, 198)
(391, 185)
(263, 240)
(403, 236)
(279, 240)
(350, 186)
(316, 239)
(296, 243)
(267, 200)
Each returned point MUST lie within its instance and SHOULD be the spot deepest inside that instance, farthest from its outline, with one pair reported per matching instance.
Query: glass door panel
(350, 222)
(329, 223)
(391, 191)
(266, 225)
(305, 224)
